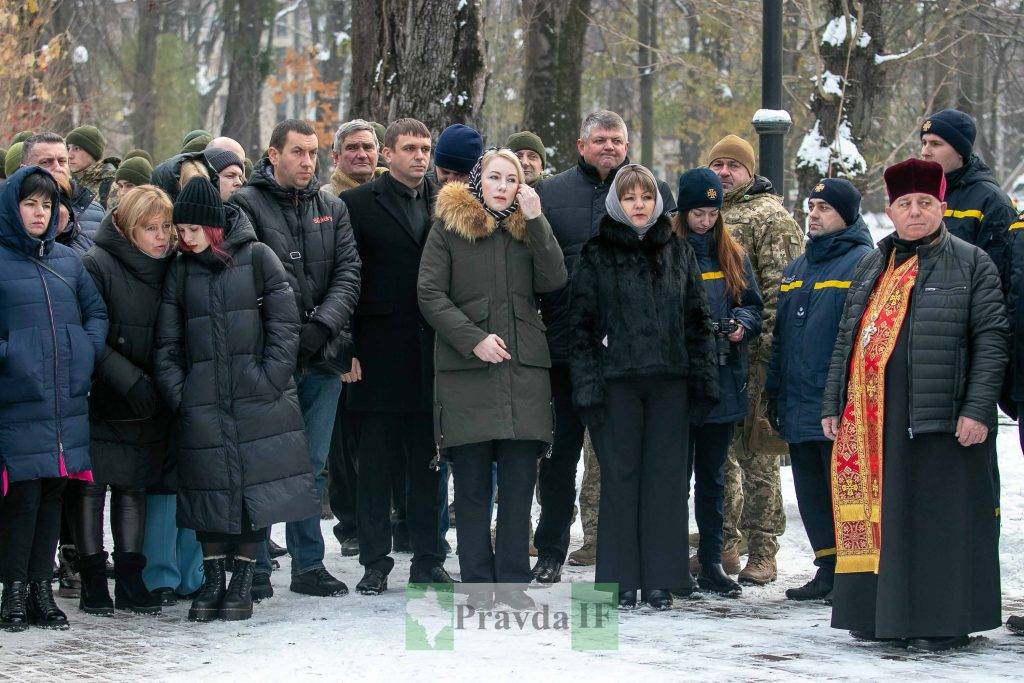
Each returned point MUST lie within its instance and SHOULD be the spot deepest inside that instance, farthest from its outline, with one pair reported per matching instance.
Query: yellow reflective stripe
(712, 275)
(1017, 226)
(838, 284)
(825, 552)
(795, 284)
(969, 213)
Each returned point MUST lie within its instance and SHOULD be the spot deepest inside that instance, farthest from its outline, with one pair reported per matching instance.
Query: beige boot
(730, 562)
(760, 571)
(585, 556)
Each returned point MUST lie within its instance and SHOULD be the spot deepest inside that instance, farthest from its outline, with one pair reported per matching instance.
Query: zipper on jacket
(959, 288)
(910, 339)
(61, 468)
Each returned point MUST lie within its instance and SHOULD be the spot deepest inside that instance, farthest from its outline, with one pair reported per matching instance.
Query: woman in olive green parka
(489, 252)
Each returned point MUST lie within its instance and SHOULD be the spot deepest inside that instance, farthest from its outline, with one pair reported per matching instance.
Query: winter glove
(592, 416)
(771, 412)
(311, 339)
(142, 397)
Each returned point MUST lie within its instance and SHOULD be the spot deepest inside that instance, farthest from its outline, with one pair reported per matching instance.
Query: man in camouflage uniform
(756, 218)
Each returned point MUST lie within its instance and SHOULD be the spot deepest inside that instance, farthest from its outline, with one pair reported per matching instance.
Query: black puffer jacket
(573, 203)
(979, 212)
(88, 210)
(167, 174)
(1015, 310)
(224, 363)
(639, 310)
(127, 448)
(309, 229)
(957, 345)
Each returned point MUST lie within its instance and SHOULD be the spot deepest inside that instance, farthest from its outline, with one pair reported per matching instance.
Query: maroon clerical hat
(915, 175)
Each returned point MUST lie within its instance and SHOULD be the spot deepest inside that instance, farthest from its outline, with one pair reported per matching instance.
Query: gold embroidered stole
(857, 452)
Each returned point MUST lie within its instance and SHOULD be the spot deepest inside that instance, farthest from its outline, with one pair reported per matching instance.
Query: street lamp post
(772, 122)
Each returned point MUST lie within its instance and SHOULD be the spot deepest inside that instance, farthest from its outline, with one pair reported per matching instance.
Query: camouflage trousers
(753, 491)
(590, 492)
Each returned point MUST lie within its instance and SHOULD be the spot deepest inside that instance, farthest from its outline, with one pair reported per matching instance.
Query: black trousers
(85, 502)
(509, 560)
(390, 443)
(812, 479)
(341, 467)
(29, 526)
(557, 477)
(642, 447)
(709, 447)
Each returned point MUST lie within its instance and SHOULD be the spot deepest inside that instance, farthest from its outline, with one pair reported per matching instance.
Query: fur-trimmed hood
(462, 214)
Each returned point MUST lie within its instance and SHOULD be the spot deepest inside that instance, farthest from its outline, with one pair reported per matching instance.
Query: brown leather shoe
(759, 571)
(585, 556)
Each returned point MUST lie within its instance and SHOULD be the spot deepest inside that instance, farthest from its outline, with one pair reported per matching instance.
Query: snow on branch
(835, 33)
(818, 154)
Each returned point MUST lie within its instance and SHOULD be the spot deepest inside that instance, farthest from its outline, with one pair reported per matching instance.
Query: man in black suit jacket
(391, 381)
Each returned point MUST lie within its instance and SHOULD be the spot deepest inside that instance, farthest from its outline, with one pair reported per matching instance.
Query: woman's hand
(492, 349)
(529, 201)
(970, 432)
(737, 335)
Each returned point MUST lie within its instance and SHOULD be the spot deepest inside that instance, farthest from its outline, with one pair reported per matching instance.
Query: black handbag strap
(53, 271)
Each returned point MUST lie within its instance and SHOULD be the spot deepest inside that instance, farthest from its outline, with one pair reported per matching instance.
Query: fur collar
(463, 215)
(623, 236)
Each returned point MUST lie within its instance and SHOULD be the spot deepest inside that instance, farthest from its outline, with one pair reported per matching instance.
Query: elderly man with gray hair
(573, 202)
(354, 152)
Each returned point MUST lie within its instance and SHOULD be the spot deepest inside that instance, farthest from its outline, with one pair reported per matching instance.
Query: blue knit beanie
(841, 195)
(955, 127)
(458, 148)
(699, 188)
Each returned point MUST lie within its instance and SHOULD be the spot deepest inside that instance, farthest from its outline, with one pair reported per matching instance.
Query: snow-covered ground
(761, 636)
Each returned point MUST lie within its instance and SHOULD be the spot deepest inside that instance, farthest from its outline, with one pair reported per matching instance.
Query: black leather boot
(130, 592)
(817, 588)
(713, 578)
(547, 570)
(627, 599)
(94, 596)
(206, 604)
(237, 602)
(12, 607)
(659, 599)
(41, 608)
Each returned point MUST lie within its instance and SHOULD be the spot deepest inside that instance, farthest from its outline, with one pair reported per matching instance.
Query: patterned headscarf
(477, 190)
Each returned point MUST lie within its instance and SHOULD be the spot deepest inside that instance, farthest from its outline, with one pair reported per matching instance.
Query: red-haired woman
(736, 309)
(227, 342)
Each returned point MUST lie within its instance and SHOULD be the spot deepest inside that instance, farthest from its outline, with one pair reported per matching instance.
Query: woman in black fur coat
(642, 359)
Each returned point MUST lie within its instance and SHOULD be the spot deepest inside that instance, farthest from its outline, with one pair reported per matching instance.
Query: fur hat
(915, 175)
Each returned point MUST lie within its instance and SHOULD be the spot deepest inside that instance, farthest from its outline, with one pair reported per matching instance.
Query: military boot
(760, 571)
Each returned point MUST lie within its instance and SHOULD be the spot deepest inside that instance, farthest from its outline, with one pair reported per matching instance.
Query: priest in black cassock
(910, 401)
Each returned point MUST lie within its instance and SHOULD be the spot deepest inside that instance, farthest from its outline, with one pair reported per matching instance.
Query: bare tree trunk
(367, 29)
(844, 99)
(552, 74)
(331, 70)
(246, 24)
(144, 104)
(433, 62)
(647, 42)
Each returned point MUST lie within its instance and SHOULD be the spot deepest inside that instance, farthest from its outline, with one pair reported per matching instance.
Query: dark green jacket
(478, 278)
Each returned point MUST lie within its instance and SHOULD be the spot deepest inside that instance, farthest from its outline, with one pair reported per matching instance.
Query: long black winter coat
(127, 449)
(979, 212)
(573, 203)
(639, 310)
(306, 229)
(958, 329)
(1015, 311)
(732, 377)
(392, 341)
(224, 363)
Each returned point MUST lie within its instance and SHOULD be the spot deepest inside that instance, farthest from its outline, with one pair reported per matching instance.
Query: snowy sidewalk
(761, 636)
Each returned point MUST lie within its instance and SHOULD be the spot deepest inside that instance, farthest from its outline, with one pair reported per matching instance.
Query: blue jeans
(174, 558)
(318, 398)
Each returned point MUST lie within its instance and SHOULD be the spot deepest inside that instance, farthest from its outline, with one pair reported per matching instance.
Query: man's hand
(830, 425)
(970, 432)
(492, 349)
(355, 374)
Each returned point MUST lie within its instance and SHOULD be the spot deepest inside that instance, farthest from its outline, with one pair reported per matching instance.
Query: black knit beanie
(841, 195)
(219, 159)
(955, 127)
(199, 203)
